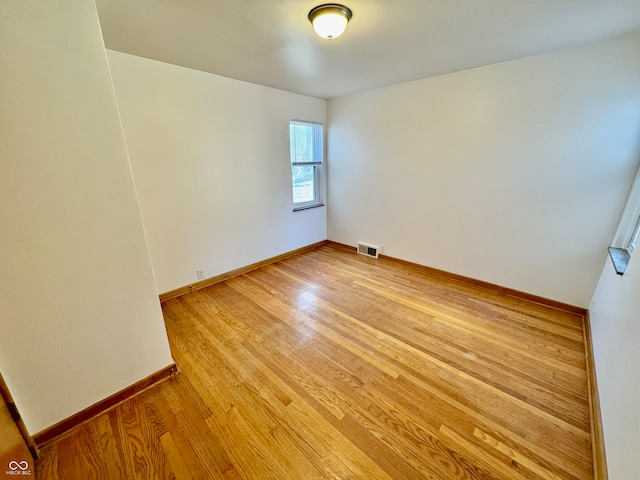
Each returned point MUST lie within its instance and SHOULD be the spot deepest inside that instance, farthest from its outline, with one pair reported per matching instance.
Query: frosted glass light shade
(330, 20)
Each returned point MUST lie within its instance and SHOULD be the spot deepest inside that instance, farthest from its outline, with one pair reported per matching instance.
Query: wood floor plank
(516, 456)
(176, 464)
(489, 363)
(331, 365)
(569, 409)
(432, 331)
(507, 471)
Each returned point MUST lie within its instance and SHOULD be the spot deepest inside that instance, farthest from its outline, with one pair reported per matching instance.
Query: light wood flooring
(331, 365)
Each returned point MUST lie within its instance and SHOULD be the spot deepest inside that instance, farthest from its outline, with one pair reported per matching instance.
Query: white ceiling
(271, 42)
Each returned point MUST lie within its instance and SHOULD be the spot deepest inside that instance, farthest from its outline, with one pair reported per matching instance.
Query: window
(628, 233)
(620, 256)
(306, 141)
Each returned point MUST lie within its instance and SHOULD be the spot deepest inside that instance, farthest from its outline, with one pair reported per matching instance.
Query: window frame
(628, 231)
(317, 164)
(634, 237)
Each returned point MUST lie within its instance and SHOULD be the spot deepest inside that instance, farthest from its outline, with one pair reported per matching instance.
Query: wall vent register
(368, 250)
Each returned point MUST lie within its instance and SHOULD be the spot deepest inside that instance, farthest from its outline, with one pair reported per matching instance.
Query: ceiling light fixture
(330, 20)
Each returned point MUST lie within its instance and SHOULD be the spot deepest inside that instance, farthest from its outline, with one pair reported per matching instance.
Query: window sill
(307, 207)
(620, 258)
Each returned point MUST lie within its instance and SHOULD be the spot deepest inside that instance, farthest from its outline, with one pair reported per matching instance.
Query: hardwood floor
(333, 365)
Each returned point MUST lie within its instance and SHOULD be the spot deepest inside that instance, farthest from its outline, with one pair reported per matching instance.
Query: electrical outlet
(200, 273)
(382, 247)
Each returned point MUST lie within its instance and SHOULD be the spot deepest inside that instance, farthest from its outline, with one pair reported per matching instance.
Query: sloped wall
(79, 312)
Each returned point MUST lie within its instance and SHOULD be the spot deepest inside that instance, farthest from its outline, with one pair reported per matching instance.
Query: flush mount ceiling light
(330, 20)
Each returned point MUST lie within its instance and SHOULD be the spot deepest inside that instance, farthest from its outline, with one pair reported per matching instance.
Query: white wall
(514, 173)
(210, 158)
(79, 312)
(615, 326)
(615, 321)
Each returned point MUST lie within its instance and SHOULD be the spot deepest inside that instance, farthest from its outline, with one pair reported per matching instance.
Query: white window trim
(634, 236)
(318, 164)
(628, 225)
(628, 232)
